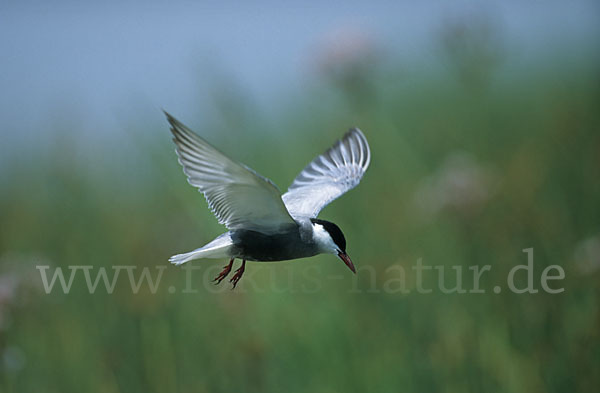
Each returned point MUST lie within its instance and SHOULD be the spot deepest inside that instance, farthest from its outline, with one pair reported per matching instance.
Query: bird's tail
(218, 248)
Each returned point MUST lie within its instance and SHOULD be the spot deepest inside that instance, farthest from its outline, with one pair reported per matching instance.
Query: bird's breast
(283, 245)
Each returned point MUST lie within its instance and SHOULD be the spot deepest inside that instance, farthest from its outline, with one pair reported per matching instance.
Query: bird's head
(331, 240)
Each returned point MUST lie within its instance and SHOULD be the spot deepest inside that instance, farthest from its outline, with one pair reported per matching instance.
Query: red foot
(238, 274)
(224, 273)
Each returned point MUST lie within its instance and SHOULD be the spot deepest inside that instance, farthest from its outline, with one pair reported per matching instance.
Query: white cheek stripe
(324, 240)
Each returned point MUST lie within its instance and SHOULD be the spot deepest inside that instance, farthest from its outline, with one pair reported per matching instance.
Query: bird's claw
(224, 273)
(238, 274)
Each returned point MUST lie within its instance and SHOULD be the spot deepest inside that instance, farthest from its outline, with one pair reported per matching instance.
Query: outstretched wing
(329, 175)
(238, 196)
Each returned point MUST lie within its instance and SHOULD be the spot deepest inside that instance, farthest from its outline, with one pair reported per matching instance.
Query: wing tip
(178, 129)
(363, 143)
(356, 131)
(174, 123)
(170, 117)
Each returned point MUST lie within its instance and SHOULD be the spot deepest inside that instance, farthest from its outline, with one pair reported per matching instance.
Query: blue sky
(104, 62)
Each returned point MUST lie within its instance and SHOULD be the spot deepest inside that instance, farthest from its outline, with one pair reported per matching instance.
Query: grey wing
(238, 196)
(329, 175)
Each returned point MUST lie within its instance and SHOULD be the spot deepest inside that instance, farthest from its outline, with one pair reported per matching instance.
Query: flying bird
(263, 224)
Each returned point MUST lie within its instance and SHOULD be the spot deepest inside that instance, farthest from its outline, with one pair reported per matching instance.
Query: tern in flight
(263, 224)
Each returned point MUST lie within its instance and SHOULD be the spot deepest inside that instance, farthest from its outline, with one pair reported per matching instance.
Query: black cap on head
(334, 231)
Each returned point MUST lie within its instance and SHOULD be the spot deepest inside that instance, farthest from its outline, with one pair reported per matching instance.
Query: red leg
(224, 273)
(238, 274)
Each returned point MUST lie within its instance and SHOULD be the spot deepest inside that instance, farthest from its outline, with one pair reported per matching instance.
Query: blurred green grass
(529, 147)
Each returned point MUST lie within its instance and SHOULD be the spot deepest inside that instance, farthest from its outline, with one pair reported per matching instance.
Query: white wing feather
(329, 176)
(238, 196)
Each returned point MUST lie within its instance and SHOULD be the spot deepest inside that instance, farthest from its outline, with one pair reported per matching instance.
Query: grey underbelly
(257, 246)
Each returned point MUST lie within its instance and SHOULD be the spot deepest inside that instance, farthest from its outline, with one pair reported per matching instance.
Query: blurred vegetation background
(472, 162)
